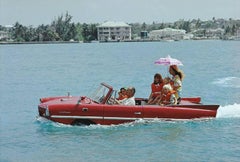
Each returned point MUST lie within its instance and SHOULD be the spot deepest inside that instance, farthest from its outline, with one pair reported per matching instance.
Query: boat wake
(233, 82)
(45, 122)
(229, 111)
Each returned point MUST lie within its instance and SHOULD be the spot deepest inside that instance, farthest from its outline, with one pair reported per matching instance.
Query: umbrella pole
(167, 73)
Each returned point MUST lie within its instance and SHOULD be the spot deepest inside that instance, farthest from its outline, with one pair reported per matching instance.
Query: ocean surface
(31, 71)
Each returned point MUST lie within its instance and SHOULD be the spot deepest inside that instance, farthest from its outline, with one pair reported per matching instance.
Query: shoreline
(42, 42)
(74, 42)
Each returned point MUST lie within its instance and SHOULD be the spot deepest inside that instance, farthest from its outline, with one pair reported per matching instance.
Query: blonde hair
(168, 87)
(166, 80)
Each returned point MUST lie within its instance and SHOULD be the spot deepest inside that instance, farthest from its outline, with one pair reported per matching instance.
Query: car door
(92, 113)
(118, 114)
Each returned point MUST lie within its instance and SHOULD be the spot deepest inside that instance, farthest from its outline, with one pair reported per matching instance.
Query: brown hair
(157, 75)
(177, 71)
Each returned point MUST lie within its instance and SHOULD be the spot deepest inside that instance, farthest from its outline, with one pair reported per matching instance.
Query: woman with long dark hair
(177, 78)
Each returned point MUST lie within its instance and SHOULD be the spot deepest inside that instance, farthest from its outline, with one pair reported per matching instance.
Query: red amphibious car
(98, 109)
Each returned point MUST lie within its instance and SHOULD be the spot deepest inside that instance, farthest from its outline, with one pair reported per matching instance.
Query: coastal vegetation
(63, 29)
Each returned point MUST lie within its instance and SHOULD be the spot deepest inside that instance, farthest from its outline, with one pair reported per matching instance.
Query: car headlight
(47, 112)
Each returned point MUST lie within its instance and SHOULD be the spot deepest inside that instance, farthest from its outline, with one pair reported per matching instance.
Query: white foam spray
(229, 111)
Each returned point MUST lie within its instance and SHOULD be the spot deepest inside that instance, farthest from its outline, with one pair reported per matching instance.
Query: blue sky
(37, 12)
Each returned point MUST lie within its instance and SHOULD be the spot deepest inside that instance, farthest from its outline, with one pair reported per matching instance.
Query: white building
(167, 33)
(114, 31)
(214, 33)
(238, 34)
(4, 35)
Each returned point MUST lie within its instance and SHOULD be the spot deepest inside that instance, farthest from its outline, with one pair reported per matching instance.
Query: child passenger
(166, 80)
(156, 88)
(122, 94)
(168, 96)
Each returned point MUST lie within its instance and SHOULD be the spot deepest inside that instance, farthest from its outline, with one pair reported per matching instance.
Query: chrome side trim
(76, 117)
(92, 117)
(120, 118)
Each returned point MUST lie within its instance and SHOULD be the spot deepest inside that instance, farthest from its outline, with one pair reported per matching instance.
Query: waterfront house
(214, 33)
(4, 35)
(114, 31)
(238, 34)
(167, 34)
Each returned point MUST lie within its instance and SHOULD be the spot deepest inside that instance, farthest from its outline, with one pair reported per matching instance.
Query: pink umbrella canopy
(168, 61)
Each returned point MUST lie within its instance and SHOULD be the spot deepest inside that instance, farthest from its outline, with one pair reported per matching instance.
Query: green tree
(227, 30)
(185, 25)
(233, 30)
(144, 26)
(93, 32)
(162, 26)
(72, 32)
(198, 24)
(46, 33)
(85, 32)
(136, 29)
(79, 36)
(153, 26)
(89, 32)
(64, 28)
(19, 32)
(30, 34)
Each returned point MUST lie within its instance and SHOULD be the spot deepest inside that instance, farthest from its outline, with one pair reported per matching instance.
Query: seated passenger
(156, 88)
(130, 100)
(122, 94)
(168, 96)
(167, 80)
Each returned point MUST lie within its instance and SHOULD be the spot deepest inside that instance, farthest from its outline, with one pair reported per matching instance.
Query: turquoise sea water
(28, 72)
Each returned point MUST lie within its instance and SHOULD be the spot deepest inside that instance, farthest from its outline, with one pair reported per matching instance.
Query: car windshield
(100, 94)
